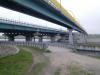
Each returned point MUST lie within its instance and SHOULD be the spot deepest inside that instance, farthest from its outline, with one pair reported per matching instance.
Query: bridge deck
(8, 25)
(40, 9)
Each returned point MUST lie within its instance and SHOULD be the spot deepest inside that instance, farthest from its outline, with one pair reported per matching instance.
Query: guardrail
(58, 44)
(87, 47)
(42, 45)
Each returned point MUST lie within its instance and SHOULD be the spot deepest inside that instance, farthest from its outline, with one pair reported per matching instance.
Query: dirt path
(60, 58)
(36, 58)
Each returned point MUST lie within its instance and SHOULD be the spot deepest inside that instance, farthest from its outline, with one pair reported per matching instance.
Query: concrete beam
(34, 38)
(28, 38)
(70, 36)
(40, 38)
(52, 38)
(11, 37)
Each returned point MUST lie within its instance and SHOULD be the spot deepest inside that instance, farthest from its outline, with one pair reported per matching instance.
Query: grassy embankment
(18, 64)
(15, 64)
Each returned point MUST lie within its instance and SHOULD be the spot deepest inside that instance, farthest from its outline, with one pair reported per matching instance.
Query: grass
(76, 70)
(57, 72)
(19, 64)
(15, 64)
(35, 49)
(38, 68)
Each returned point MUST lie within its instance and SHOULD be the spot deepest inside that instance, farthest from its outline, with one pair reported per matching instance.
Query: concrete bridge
(89, 47)
(44, 10)
(41, 9)
(12, 29)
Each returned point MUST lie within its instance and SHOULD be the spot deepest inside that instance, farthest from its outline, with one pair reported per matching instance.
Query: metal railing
(33, 44)
(21, 23)
(87, 47)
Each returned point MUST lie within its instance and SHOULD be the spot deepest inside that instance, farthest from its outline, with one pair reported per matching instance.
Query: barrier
(34, 44)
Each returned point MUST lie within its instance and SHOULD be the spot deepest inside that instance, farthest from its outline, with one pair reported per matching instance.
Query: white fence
(33, 44)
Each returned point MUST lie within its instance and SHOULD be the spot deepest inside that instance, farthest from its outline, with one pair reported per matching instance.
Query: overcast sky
(17, 16)
(85, 11)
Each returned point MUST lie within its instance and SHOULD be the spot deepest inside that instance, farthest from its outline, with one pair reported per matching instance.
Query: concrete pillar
(86, 38)
(40, 38)
(10, 37)
(58, 37)
(34, 38)
(63, 38)
(83, 38)
(70, 36)
(52, 38)
(28, 38)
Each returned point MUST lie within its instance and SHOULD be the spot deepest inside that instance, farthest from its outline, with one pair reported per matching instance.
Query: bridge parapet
(59, 7)
(88, 46)
(31, 26)
(16, 22)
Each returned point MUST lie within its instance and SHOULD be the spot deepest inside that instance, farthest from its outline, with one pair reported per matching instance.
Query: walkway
(37, 57)
(60, 58)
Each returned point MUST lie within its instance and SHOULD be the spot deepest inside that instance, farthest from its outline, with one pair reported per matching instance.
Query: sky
(86, 13)
(13, 15)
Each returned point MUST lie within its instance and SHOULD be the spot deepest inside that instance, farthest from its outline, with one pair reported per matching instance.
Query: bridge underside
(18, 28)
(11, 31)
(40, 9)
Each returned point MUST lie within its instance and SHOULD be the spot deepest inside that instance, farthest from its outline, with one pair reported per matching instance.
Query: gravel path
(60, 58)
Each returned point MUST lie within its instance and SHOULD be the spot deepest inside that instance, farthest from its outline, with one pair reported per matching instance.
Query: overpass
(44, 10)
(14, 28)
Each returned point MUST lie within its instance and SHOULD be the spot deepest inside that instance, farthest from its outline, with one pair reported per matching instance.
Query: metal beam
(6, 27)
(40, 9)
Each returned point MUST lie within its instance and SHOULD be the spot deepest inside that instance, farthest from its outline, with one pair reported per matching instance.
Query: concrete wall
(6, 50)
(90, 38)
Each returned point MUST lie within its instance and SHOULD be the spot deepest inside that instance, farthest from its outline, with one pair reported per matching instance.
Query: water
(23, 40)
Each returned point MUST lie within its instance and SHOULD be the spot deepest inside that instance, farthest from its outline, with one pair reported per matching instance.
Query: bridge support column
(52, 38)
(70, 36)
(28, 38)
(63, 38)
(85, 38)
(11, 38)
(40, 38)
(34, 38)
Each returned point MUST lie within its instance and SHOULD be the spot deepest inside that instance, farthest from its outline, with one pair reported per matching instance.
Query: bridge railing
(22, 23)
(52, 4)
(58, 44)
(40, 45)
(14, 22)
(87, 47)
